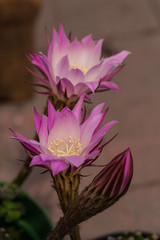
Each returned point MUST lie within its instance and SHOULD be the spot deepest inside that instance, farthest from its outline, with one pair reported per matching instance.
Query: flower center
(80, 67)
(66, 146)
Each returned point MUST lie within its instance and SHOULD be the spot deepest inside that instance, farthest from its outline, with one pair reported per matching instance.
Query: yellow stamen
(66, 146)
(80, 67)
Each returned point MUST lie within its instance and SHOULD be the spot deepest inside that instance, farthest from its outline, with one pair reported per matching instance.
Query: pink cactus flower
(64, 139)
(72, 68)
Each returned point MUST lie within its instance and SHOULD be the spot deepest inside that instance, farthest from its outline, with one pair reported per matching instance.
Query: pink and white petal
(79, 54)
(92, 85)
(95, 153)
(27, 145)
(40, 61)
(97, 51)
(94, 112)
(81, 88)
(88, 130)
(18, 135)
(48, 157)
(75, 160)
(100, 134)
(110, 85)
(108, 76)
(65, 125)
(51, 115)
(94, 74)
(58, 166)
(40, 147)
(62, 67)
(96, 139)
(118, 57)
(37, 120)
(76, 76)
(75, 48)
(104, 114)
(43, 132)
(45, 82)
(63, 39)
(95, 54)
(78, 108)
(67, 87)
(54, 53)
(36, 160)
(88, 42)
(122, 55)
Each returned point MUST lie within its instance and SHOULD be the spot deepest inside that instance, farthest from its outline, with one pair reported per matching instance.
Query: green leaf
(12, 215)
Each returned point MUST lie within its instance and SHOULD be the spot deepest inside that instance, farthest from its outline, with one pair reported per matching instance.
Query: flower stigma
(66, 146)
(80, 67)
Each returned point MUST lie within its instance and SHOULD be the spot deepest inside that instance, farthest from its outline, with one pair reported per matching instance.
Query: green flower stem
(66, 185)
(22, 175)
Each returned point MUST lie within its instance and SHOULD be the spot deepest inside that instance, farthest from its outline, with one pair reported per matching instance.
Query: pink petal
(18, 135)
(62, 68)
(94, 112)
(65, 125)
(75, 160)
(110, 85)
(81, 88)
(32, 148)
(95, 73)
(97, 51)
(76, 76)
(36, 160)
(112, 74)
(58, 166)
(88, 129)
(49, 157)
(92, 85)
(43, 132)
(118, 57)
(87, 41)
(78, 108)
(92, 154)
(98, 136)
(67, 87)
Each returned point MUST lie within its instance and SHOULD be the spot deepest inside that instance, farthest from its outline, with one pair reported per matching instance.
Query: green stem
(22, 175)
(66, 185)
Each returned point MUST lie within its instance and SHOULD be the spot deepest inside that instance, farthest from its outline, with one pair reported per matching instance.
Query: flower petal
(110, 85)
(43, 132)
(37, 160)
(98, 136)
(62, 68)
(67, 87)
(76, 76)
(58, 166)
(75, 160)
(65, 125)
(78, 108)
(88, 129)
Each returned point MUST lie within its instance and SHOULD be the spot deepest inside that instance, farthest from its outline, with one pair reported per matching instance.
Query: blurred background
(124, 25)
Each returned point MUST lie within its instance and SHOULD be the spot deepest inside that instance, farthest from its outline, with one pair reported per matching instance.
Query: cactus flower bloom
(65, 140)
(72, 68)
